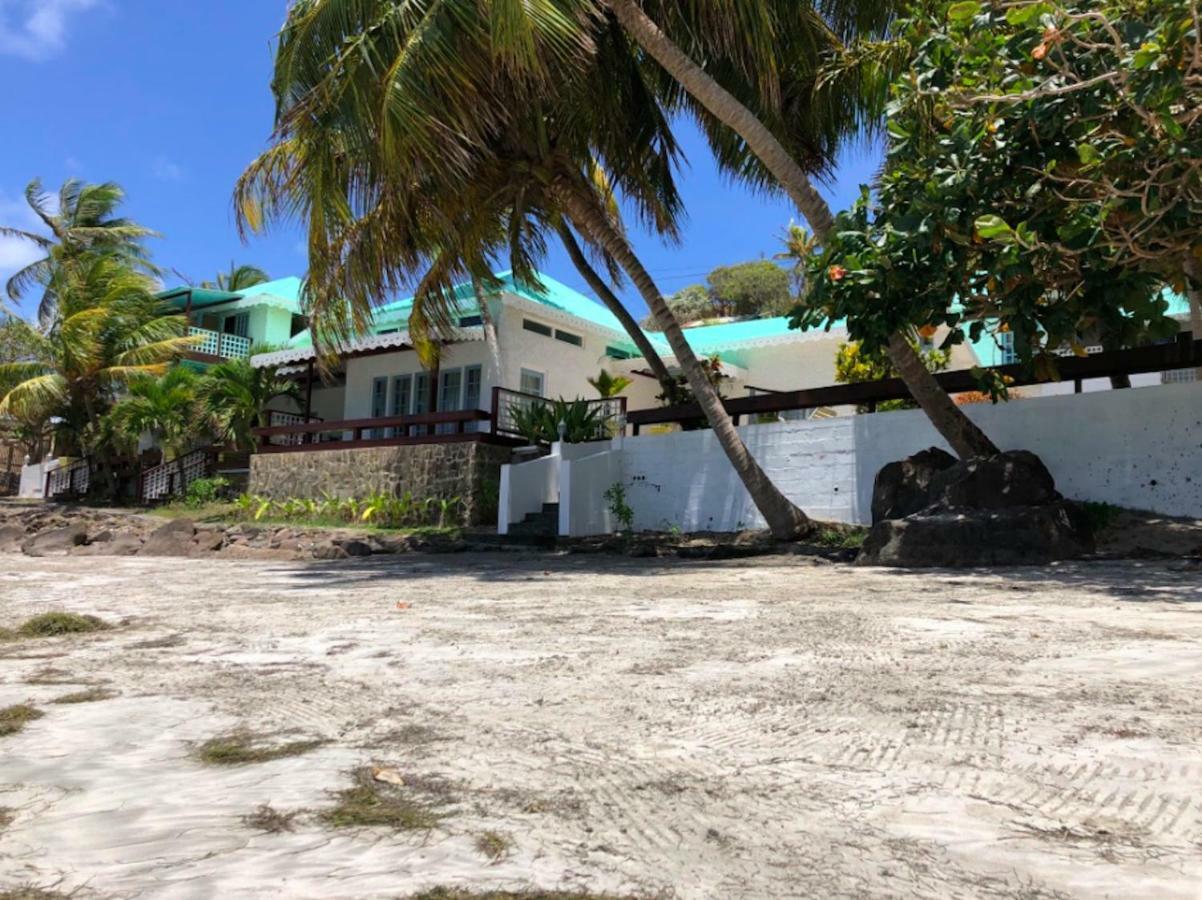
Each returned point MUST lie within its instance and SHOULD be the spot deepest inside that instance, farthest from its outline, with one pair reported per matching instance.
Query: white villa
(551, 342)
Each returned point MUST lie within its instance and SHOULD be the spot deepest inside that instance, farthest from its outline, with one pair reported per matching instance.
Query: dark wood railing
(508, 405)
(1182, 353)
(385, 431)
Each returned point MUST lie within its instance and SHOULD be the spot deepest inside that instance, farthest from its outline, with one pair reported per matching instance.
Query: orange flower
(1040, 51)
(927, 331)
(836, 273)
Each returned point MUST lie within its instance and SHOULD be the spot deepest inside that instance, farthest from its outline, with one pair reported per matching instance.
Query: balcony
(216, 344)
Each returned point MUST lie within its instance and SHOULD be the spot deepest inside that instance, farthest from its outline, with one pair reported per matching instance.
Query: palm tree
(761, 47)
(607, 385)
(799, 247)
(81, 220)
(108, 332)
(238, 278)
(234, 396)
(526, 153)
(168, 409)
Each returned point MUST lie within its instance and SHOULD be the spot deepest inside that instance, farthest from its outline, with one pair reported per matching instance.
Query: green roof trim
(283, 292)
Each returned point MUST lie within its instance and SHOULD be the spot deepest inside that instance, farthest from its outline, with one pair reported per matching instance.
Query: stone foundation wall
(471, 471)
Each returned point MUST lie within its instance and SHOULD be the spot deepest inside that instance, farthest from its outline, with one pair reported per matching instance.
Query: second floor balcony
(218, 344)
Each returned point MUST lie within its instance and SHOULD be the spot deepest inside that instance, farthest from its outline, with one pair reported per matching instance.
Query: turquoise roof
(286, 289)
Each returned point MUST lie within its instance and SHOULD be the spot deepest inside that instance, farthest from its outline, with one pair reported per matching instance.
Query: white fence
(1139, 448)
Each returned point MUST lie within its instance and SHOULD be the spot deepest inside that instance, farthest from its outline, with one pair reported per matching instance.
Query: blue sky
(171, 99)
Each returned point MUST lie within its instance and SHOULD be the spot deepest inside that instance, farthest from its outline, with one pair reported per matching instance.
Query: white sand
(756, 729)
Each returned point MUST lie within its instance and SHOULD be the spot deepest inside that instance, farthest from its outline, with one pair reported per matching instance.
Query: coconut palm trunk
(783, 517)
(615, 306)
(489, 324)
(949, 420)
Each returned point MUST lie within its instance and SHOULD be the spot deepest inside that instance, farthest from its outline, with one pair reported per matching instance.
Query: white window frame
(542, 381)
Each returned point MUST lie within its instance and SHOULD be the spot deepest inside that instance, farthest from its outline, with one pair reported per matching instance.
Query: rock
(123, 545)
(102, 537)
(1015, 535)
(10, 538)
(904, 487)
(356, 548)
(1014, 478)
(56, 540)
(209, 540)
(329, 551)
(171, 539)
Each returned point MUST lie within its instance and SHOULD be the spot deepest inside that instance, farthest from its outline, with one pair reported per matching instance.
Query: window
(618, 353)
(421, 400)
(473, 378)
(536, 327)
(379, 404)
(532, 382)
(450, 396)
(568, 338)
(402, 398)
(237, 324)
(1006, 352)
(470, 321)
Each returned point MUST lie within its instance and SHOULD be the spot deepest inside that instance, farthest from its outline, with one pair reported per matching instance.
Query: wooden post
(306, 437)
(496, 407)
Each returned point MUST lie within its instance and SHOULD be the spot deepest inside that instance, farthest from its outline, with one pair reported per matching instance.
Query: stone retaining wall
(471, 471)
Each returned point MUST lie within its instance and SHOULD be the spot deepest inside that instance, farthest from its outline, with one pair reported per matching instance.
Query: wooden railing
(1179, 354)
(425, 428)
(171, 479)
(508, 406)
(73, 480)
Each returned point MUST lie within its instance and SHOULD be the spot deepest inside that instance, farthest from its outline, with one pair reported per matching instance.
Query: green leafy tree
(799, 246)
(81, 220)
(1023, 177)
(234, 396)
(752, 289)
(689, 305)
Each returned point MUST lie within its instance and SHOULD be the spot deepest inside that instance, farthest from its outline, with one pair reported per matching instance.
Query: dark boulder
(904, 487)
(56, 540)
(1016, 535)
(1014, 478)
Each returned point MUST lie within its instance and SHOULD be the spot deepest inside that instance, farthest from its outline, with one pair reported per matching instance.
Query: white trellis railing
(172, 478)
(214, 343)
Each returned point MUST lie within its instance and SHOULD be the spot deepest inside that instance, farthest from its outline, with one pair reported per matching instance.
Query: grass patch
(840, 538)
(55, 624)
(446, 893)
(270, 820)
(241, 747)
(52, 675)
(7, 814)
(31, 892)
(369, 802)
(14, 718)
(494, 845)
(91, 695)
(1098, 516)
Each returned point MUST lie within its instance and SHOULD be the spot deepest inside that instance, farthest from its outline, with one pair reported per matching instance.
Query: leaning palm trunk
(949, 420)
(783, 517)
(615, 306)
(490, 331)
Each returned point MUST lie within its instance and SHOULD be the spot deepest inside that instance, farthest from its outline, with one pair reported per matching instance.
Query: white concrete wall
(32, 485)
(1138, 448)
(525, 487)
(566, 368)
(583, 509)
(361, 372)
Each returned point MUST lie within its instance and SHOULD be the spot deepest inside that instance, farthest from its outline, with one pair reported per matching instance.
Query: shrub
(619, 508)
(204, 491)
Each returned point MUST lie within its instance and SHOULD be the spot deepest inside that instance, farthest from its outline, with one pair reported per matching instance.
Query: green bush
(204, 491)
(539, 423)
(380, 509)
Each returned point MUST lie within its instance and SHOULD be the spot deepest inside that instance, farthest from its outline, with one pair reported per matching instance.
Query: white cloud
(37, 29)
(166, 170)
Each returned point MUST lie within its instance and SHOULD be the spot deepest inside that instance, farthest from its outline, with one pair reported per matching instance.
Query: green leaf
(963, 12)
(1088, 154)
(991, 227)
(1025, 15)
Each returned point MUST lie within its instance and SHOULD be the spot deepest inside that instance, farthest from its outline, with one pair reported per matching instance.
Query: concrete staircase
(542, 524)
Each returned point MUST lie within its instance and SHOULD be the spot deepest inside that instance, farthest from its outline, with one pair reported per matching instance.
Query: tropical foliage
(238, 278)
(540, 423)
(607, 385)
(379, 509)
(81, 221)
(167, 409)
(1043, 168)
(234, 396)
(108, 332)
(749, 290)
(853, 364)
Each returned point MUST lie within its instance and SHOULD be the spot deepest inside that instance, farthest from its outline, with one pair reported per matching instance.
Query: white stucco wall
(361, 372)
(1138, 448)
